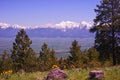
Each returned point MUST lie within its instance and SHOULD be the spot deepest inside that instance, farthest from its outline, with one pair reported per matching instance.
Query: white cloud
(62, 25)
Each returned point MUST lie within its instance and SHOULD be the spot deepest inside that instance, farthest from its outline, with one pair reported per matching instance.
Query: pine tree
(93, 57)
(92, 54)
(23, 56)
(76, 53)
(107, 29)
(1, 70)
(47, 57)
(5, 62)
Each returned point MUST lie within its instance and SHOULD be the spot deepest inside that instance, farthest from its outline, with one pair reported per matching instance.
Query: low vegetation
(111, 73)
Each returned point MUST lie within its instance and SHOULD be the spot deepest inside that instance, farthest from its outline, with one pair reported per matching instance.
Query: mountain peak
(62, 25)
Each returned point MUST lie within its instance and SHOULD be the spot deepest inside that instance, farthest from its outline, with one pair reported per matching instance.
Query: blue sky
(35, 12)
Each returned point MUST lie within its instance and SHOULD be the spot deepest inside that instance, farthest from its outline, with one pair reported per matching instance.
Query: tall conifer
(23, 56)
(107, 29)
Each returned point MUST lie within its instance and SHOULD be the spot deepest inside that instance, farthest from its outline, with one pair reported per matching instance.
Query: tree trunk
(113, 47)
(113, 36)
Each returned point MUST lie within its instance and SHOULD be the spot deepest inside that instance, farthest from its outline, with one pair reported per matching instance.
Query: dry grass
(111, 73)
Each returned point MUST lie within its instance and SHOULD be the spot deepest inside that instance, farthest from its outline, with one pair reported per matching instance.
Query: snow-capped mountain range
(61, 25)
(62, 29)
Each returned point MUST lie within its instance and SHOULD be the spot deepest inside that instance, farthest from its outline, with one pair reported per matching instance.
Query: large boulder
(56, 74)
(96, 74)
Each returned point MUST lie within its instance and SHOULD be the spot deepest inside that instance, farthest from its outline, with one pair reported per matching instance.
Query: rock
(22, 71)
(56, 74)
(98, 74)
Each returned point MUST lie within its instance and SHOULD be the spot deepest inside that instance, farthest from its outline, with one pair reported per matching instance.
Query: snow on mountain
(87, 24)
(62, 25)
(70, 24)
(62, 29)
(16, 26)
(67, 24)
(4, 25)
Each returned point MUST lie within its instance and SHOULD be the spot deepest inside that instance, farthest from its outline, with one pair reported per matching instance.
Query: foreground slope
(111, 73)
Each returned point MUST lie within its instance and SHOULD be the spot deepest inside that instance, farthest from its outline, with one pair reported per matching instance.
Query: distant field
(61, 44)
(111, 73)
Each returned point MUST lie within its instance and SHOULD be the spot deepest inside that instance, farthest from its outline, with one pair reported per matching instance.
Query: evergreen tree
(107, 29)
(76, 53)
(53, 57)
(5, 62)
(63, 63)
(47, 57)
(1, 70)
(92, 54)
(23, 56)
(93, 57)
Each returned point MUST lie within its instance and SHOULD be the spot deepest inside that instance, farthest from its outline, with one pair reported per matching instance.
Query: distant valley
(59, 39)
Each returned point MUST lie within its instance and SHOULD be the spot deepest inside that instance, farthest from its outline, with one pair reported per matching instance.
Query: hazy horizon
(60, 45)
(33, 13)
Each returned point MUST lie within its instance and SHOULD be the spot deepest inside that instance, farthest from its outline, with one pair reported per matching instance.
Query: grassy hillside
(111, 73)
